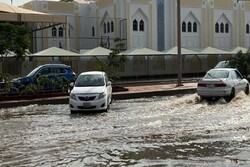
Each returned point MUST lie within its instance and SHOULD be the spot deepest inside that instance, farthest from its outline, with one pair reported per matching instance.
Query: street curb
(115, 96)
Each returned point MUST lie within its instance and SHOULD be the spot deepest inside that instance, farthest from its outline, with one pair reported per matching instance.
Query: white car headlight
(102, 95)
(72, 96)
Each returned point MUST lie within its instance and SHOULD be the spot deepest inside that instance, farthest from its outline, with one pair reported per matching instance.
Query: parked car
(91, 91)
(222, 82)
(50, 71)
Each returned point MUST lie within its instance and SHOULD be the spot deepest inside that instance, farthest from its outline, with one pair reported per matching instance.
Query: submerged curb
(115, 95)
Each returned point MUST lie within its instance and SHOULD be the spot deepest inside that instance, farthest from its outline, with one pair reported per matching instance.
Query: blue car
(50, 71)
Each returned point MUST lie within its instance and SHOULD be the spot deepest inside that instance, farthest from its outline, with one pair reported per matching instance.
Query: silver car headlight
(72, 96)
(101, 95)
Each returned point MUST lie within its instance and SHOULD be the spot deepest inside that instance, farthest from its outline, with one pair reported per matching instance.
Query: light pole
(179, 43)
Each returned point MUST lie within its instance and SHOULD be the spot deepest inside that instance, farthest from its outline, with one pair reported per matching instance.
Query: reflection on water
(158, 131)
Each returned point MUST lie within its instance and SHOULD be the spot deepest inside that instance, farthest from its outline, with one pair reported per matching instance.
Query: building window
(183, 26)
(226, 28)
(60, 32)
(104, 28)
(217, 28)
(93, 31)
(141, 25)
(108, 27)
(54, 32)
(189, 27)
(195, 27)
(112, 26)
(247, 29)
(222, 28)
(135, 25)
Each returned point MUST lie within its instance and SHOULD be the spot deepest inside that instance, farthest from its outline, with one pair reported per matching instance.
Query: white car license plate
(210, 85)
(86, 105)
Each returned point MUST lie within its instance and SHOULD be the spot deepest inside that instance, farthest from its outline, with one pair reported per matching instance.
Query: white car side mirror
(109, 83)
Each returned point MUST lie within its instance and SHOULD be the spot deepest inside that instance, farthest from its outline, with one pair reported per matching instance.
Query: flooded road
(159, 131)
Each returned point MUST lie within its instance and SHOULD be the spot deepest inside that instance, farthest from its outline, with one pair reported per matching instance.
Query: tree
(241, 62)
(115, 60)
(13, 39)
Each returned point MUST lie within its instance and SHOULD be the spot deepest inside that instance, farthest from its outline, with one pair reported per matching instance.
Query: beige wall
(235, 29)
(243, 32)
(192, 3)
(55, 6)
(28, 6)
(223, 4)
(212, 30)
(203, 27)
(140, 1)
(103, 3)
(128, 25)
(247, 6)
(78, 32)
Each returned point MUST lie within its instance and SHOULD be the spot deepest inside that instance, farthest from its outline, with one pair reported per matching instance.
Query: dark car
(50, 71)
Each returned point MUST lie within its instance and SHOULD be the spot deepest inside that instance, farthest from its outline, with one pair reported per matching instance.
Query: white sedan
(91, 91)
(222, 82)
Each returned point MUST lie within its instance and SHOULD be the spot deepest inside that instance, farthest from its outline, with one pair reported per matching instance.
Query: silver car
(222, 82)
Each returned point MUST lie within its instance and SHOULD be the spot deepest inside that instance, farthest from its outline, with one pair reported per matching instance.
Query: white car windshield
(89, 80)
(217, 74)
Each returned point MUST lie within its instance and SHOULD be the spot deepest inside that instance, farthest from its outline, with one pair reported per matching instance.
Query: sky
(19, 2)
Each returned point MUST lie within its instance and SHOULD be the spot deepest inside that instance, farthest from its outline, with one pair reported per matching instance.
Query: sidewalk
(155, 90)
(138, 91)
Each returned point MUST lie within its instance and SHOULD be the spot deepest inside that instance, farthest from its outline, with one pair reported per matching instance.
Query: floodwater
(159, 131)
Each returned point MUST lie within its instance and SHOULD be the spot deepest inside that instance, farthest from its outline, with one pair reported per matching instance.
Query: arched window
(104, 28)
(60, 32)
(141, 25)
(247, 29)
(226, 28)
(93, 31)
(183, 26)
(217, 28)
(221, 27)
(135, 25)
(108, 27)
(54, 32)
(112, 26)
(195, 27)
(189, 27)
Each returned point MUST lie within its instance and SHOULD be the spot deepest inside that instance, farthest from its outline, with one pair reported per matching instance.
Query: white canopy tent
(141, 51)
(213, 51)
(55, 51)
(17, 14)
(184, 51)
(98, 51)
(238, 48)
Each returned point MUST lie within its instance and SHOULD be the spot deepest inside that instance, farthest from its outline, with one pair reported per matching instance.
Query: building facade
(223, 24)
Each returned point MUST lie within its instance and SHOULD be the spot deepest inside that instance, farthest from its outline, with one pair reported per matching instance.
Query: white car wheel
(247, 90)
(231, 96)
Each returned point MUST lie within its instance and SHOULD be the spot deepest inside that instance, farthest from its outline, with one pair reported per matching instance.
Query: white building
(223, 24)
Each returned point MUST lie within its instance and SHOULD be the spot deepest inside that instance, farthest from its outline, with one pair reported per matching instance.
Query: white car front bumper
(78, 105)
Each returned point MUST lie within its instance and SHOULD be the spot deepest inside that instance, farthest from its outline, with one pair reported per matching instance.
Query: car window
(238, 75)
(33, 72)
(89, 80)
(44, 71)
(217, 74)
(62, 70)
(233, 75)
